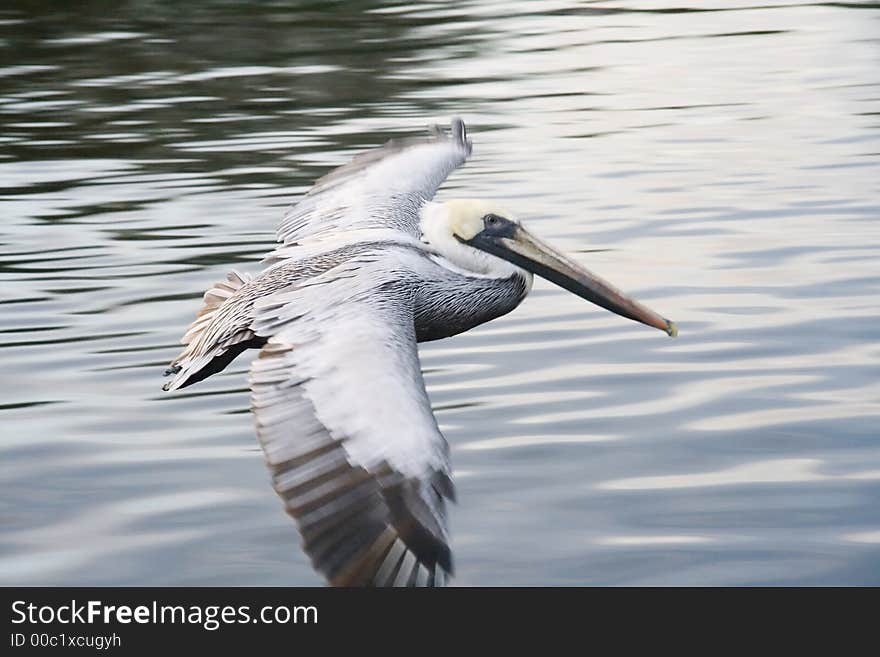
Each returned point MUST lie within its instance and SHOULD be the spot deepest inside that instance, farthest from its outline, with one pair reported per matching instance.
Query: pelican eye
(497, 226)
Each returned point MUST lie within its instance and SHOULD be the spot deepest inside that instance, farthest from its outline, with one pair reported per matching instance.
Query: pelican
(367, 266)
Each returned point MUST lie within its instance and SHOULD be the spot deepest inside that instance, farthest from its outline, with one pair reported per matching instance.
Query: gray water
(725, 161)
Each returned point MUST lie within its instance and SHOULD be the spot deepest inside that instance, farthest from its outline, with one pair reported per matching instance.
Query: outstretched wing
(381, 188)
(347, 429)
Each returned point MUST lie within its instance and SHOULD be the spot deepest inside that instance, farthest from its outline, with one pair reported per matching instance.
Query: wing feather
(347, 429)
(382, 188)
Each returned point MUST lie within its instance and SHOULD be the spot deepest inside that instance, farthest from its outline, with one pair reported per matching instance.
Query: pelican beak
(515, 244)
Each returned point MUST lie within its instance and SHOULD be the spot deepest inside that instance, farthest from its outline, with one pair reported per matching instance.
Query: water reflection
(721, 164)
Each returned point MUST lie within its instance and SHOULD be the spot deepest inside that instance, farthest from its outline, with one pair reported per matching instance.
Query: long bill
(525, 250)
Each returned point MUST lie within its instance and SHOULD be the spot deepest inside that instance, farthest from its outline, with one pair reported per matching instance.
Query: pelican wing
(347, 429)
(381, 188)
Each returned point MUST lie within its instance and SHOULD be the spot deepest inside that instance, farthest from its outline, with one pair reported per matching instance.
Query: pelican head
(483, 237)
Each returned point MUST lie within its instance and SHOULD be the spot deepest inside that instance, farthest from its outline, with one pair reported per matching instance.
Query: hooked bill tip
(671, 329)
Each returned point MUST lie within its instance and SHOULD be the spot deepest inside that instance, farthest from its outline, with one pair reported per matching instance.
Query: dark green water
(729, 160)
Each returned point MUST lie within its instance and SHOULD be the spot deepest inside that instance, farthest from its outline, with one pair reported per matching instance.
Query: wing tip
(459, 130)
(459, 133)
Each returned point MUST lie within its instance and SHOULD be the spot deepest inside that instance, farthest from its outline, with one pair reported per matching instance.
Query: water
(728, 159)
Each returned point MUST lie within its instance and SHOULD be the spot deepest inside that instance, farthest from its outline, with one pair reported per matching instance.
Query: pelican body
(367, 266)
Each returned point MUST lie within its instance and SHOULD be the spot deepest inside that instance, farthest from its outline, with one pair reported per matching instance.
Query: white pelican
(368, 266)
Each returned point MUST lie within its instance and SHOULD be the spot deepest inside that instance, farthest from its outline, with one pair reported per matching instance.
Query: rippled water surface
(725, 161)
